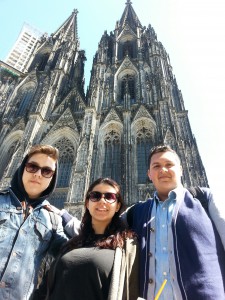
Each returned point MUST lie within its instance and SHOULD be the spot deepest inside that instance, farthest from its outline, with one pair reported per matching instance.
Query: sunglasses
(45, 171)
(97, 196)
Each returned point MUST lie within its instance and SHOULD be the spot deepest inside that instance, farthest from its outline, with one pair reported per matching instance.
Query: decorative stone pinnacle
(75, 11)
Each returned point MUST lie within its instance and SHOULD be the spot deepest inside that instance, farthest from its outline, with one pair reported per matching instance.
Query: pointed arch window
(66, 158)
(15, 163)
(128, 88)
(43, 61)
(5, 159)
(112, 156)
(143, 144)
(55, 59)
(127, 48)
(24, 102)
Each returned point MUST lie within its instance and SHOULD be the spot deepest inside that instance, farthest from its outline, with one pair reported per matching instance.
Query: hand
(53, 209)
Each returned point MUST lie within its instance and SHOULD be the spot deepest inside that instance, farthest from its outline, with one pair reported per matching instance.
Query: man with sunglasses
(26, 230)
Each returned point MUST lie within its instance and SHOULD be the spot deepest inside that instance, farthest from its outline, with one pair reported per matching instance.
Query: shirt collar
(173, 194)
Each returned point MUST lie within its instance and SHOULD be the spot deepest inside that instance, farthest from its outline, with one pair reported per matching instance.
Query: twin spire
(68, 30)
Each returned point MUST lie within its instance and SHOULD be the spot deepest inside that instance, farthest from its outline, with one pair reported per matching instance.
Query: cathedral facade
(132, 103)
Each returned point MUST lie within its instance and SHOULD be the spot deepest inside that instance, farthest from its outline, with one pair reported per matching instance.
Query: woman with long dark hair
(101, 262)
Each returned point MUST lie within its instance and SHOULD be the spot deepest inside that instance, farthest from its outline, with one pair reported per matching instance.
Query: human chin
(33, 195)
(33, 190)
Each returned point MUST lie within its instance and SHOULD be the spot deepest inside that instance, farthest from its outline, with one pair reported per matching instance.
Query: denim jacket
(23, 244)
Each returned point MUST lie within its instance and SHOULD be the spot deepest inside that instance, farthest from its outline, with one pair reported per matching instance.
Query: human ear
(118, 206)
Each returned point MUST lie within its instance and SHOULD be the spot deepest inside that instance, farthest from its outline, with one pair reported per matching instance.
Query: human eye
(156, 166)
(32, 167)
(47, 170)
(169, 165)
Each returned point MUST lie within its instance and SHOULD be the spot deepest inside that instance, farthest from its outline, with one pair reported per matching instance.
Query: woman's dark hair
(115, 233)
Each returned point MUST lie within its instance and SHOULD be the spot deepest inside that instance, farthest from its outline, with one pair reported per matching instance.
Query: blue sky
(192, 32)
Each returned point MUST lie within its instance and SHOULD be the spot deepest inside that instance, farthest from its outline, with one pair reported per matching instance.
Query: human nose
(38, 173)
(103, 198)
(163, 169)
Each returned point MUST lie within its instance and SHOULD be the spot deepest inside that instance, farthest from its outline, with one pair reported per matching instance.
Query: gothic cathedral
(132, 103)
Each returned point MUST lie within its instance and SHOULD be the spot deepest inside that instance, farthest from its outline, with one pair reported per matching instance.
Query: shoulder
(200, 191)
(207, 192)
(202, 194)
(72, 227)
(5, 196)
(53, 216)
(141, 205)
(4, 191)
(137, 209)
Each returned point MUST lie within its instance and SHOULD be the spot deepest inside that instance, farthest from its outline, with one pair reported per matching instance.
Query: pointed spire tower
(129, 17)
(48, 104)
(139, 105)
(133, 103)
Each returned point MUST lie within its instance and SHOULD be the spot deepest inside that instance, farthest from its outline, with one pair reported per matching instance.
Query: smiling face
(35, 183)
(102, 212)
(165, 172)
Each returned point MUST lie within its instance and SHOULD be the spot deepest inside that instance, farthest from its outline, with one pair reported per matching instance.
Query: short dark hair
(45, 149)
(161, 148)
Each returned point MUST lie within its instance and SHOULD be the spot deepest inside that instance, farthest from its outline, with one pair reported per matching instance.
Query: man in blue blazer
(180, 241)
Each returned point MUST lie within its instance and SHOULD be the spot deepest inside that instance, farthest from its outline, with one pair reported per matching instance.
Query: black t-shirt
(83, 273)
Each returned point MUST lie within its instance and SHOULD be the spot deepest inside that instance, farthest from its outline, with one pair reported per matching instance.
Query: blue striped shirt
(164, 210)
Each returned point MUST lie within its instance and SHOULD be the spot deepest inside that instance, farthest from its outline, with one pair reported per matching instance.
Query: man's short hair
(161, 148)
(45, 149)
